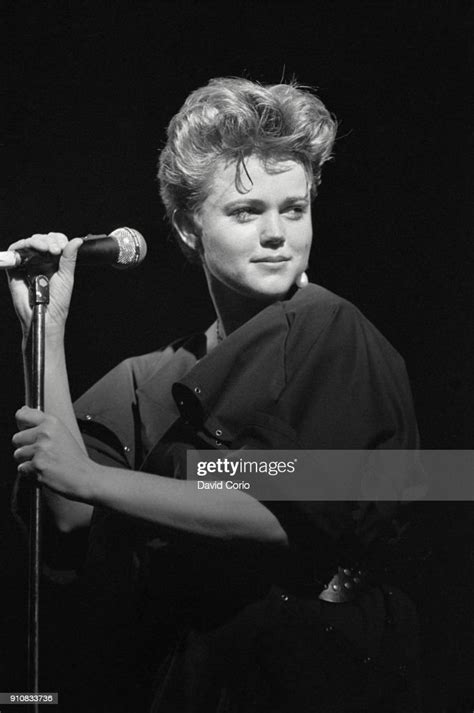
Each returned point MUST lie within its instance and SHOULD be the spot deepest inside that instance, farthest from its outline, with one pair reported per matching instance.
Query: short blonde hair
(230, 119)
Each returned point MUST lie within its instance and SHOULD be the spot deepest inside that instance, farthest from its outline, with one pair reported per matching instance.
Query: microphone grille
(132, 247)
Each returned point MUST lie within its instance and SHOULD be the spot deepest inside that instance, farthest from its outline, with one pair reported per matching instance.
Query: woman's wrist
(101, 481)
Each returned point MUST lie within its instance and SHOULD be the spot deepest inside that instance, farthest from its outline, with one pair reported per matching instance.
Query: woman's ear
(185, 225)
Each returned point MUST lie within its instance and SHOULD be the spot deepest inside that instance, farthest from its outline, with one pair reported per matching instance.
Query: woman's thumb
(69, 254)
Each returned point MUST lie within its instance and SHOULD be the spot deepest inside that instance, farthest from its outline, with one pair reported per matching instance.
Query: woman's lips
(272, 259)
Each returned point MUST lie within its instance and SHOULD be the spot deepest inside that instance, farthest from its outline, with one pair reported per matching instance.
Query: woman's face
(257, 242)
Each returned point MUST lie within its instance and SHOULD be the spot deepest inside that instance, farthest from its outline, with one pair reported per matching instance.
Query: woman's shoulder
(315, 310)
(112, 402)
(316, 299)
(131, 374)
(183, 353)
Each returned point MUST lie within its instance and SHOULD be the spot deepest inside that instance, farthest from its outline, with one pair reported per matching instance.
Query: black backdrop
(90, 90)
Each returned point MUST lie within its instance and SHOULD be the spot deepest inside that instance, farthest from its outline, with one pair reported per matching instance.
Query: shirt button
(127, 449)
(218, 443)
(218, 432)
(197, 390)
(88, 417)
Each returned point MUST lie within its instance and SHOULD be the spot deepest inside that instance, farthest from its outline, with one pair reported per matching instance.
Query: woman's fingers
(27, 417)
(50, 242)
(68, 258)
(25, 441)
(25, 453)
(27, 469)
(71, 247)
(25, 437)
(28, 421)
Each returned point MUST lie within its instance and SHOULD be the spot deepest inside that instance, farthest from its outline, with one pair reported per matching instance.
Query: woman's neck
(232, 309)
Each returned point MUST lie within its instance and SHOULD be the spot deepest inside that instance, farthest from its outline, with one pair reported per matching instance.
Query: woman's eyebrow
(296, 199)
(253, 202)
(257, 203)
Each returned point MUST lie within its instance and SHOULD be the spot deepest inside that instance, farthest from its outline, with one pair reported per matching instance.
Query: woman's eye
(295, 212)
(243, 214)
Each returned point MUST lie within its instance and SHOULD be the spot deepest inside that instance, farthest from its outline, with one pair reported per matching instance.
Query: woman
(236, 585)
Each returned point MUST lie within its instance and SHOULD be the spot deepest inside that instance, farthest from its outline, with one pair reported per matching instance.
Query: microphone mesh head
(132, 247)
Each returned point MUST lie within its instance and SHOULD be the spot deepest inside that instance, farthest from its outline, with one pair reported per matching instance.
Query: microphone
(124, 248)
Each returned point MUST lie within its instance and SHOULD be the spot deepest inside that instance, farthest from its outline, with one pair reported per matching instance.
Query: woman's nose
(272, 233)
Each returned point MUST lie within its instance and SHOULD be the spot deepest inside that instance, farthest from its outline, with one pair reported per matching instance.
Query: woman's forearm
(179, 505)
(57, 395)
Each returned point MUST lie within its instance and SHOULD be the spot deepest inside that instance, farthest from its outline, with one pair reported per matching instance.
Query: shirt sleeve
(106, 414)
(347, 387)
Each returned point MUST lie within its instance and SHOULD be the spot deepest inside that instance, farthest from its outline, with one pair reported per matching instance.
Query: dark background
(90, 89)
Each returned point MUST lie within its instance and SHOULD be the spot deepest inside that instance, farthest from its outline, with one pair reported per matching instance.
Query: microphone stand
(39, 299)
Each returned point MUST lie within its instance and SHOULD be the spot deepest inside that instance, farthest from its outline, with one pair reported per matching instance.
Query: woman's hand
(61, 281)
(47, 449)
